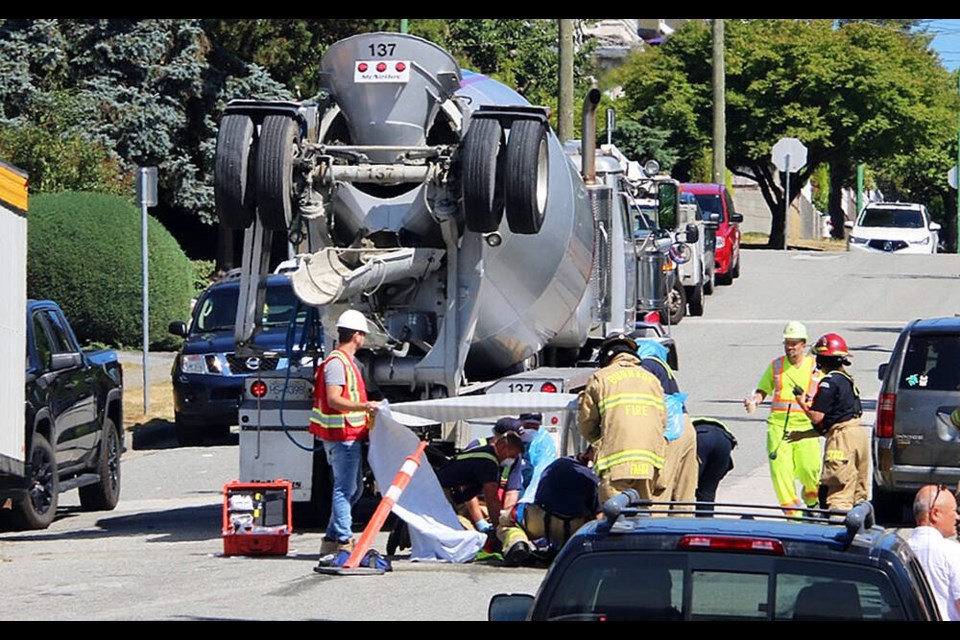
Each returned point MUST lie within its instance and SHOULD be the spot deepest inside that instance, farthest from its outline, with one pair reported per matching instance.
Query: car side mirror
(934, 226)
(848, 224)
(882, 370)
(509, 607)
(736, 217)
(61, 361)
(713, 217)
(178, 328)
(692, 233)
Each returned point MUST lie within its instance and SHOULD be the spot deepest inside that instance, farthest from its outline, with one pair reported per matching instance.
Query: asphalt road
(159, 555)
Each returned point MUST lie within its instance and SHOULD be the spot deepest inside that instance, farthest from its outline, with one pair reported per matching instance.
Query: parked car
(893, 227)
(207, 376)
(74, 423)
(914, 441)
(717, 203)
(735, 566)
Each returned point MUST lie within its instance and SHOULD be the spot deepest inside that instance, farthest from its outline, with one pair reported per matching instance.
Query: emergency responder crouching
(623, 414)
(835, 414)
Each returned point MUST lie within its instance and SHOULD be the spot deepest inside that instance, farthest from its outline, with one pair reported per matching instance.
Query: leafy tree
(857, 93)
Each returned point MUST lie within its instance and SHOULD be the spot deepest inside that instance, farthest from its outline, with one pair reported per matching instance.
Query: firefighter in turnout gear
(790, 461)
(623, 414)
(835, 413)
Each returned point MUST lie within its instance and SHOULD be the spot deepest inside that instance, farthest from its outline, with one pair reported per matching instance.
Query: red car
(716, 199)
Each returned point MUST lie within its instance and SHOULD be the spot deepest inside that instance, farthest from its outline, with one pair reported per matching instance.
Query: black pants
(713, 452)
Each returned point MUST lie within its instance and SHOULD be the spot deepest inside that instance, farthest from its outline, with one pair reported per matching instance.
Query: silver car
(914, 441)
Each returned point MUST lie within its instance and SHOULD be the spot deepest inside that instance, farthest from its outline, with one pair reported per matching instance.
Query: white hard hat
(795, 331)
(352, 319)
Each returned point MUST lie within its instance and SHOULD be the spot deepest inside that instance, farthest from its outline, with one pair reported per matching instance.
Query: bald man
(935, 512)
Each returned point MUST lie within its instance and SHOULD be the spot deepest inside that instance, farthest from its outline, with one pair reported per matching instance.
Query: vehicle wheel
(232, 188)
(482, 185)
(38, 507)
(725, 278)
(104, 495)
(187, 435)
(735, 271)
(888, 507)
(525, 176)
(695, 300)
(278, 148)
(316, 512)
(708, 286)
(676, 303)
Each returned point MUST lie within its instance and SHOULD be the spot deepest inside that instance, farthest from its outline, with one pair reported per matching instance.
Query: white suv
(893, 227)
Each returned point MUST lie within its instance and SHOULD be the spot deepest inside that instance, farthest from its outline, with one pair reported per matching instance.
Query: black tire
(482, 185)
(104, 495)
(676, 303)
(695, 300)
(525, 176)
(735, 271)
(38, 507)
(278, 147)
(187, 435)
(233, 191)
(316, 512)
(725, 278)
(708, 286)
(888, 507)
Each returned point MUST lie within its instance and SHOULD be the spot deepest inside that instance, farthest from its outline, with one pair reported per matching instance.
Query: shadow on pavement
(158, 434)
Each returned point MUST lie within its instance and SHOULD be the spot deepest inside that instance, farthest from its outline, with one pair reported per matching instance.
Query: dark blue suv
(207, 375)
(746, 563)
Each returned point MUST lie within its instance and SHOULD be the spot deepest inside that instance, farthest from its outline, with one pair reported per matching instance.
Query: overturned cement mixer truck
(440, 204)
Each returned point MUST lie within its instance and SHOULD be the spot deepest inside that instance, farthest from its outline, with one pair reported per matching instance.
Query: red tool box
(257, 518)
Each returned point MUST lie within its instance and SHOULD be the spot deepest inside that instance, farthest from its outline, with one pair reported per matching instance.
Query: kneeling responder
(475, 472)
(565, 499)
(835, 414)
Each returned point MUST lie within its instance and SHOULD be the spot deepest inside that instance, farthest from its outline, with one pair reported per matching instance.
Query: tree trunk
(839, 177)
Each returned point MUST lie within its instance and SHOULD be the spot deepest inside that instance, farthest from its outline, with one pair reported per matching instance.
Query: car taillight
(886, 413)
(548, 387)
(729, 543)
(652, 317)
(258, 389)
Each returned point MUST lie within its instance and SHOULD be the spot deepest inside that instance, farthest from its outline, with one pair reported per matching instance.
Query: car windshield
(709, 203)
(217, 310)
(643, 217)
(901, 218)
(641, 586)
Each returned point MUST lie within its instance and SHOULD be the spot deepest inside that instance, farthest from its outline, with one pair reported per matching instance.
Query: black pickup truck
(74, 424)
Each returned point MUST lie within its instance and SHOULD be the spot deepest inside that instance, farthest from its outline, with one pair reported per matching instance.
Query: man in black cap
(623, 414)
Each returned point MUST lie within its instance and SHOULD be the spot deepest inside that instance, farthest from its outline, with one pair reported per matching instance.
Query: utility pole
(719, 107)
(565, 99)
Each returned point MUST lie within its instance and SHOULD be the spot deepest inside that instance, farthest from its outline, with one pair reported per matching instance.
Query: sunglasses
(940, 487)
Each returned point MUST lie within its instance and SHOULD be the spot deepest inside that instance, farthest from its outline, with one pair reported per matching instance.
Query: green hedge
(84, 253)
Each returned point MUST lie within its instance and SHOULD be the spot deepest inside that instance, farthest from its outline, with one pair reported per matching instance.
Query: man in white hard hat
(340, 419)
(792, 374)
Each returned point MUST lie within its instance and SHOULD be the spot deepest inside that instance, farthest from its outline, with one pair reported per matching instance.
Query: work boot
(328, 549)
(517, 554)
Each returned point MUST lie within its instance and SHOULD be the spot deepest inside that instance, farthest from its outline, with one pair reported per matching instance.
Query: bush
(84, 253)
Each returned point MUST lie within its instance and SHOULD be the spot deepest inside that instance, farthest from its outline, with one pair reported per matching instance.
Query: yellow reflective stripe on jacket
(780, 391)
(836, 455)
(618, 399)
(478, 454)
(631, 456)
(663, 364)
(341, 420)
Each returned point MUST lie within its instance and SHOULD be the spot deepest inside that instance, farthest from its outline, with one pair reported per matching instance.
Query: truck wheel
(525, 176)
(232, 188)
(735, 271)
(708, 286)
(676, 303)
(481, 185)
(277, 150)
(695, 300)
(187, 435)
(38, 507)
(104, 495)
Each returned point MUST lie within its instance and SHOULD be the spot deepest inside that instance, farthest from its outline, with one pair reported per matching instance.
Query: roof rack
(857, 520)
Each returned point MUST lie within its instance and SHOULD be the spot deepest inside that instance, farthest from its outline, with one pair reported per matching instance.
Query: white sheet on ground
(435, 532)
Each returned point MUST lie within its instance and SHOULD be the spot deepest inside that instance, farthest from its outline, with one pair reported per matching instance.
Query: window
(42, 342)
(217, 311)
(932, 362)
(710, 203)
(894, 218)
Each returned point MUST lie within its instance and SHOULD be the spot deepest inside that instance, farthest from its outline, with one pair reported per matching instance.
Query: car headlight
(921, 241)
(721, 243)
(193, 364)
(856, 240)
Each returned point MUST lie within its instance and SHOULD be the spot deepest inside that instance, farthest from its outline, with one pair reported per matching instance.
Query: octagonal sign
(789, 151)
